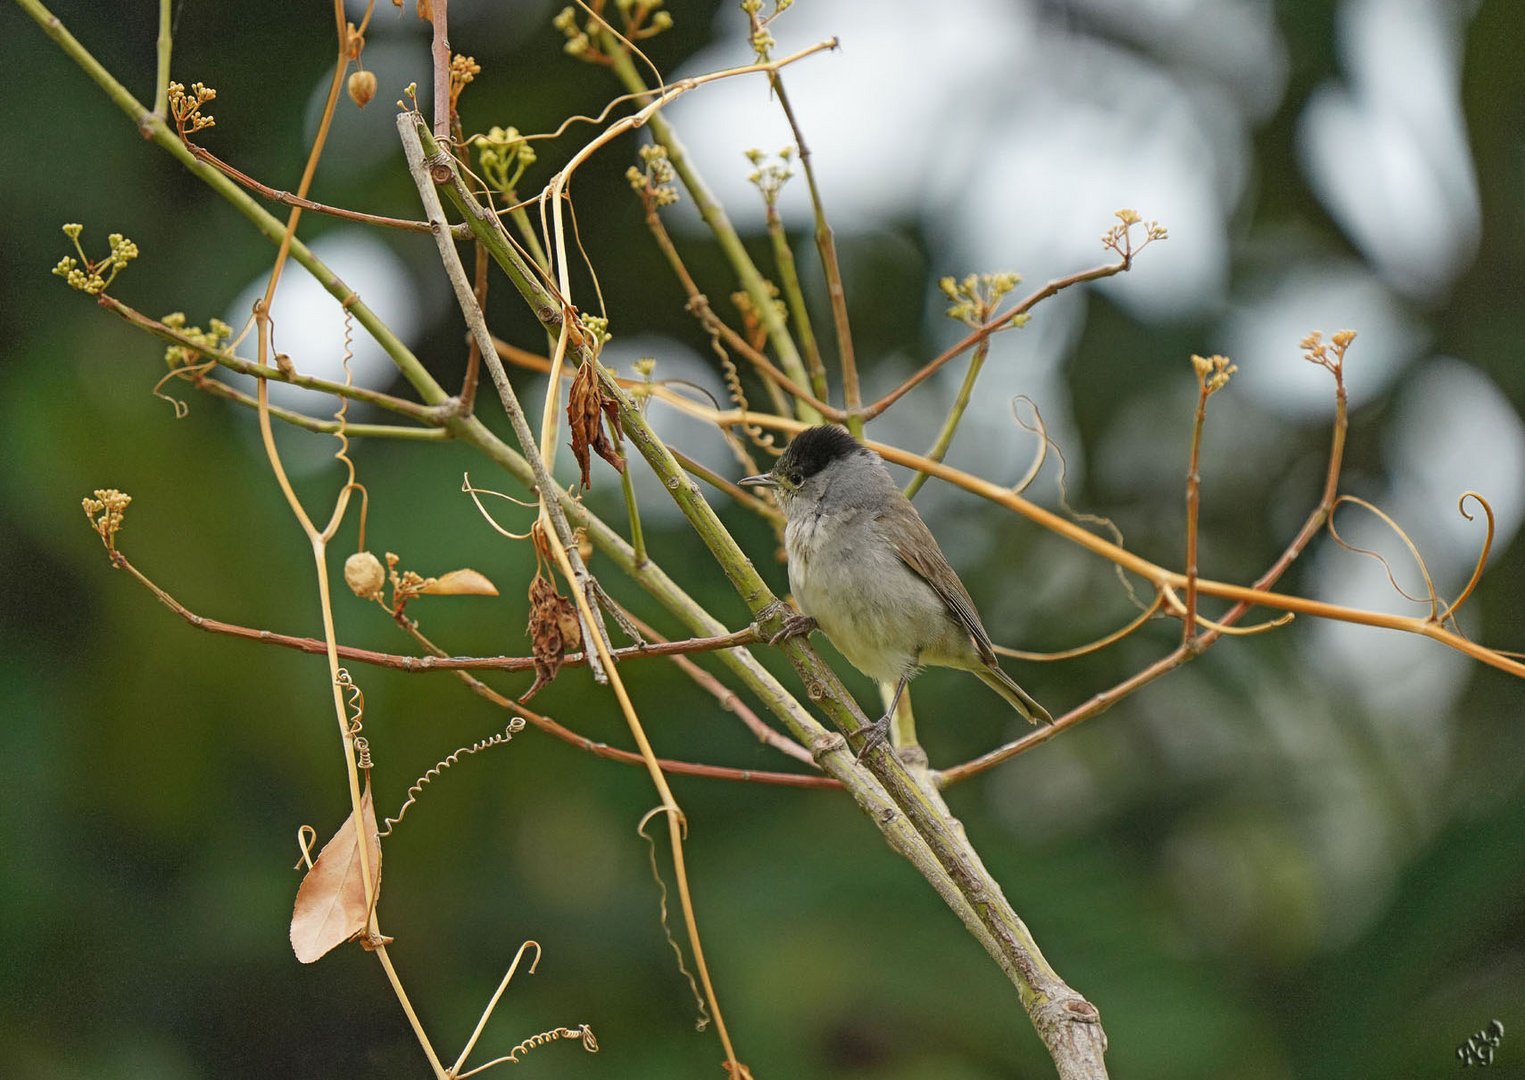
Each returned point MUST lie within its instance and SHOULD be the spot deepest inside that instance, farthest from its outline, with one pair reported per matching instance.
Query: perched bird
(865, 568)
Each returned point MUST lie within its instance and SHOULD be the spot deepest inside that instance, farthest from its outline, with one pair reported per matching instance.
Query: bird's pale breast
(865, 599)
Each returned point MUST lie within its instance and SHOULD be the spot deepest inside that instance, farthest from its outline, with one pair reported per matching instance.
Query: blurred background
(1302, 855)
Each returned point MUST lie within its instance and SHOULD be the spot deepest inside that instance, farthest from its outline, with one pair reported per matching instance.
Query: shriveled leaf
(553, 629)
(583, 419)
(569, 625)
(465, 582)
(587, 407)
(603, 446)
(332, 906)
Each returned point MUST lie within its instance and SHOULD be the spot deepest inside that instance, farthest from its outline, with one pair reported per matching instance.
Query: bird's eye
(795, 478)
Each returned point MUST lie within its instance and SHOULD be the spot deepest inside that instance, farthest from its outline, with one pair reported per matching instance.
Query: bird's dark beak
(761, 480)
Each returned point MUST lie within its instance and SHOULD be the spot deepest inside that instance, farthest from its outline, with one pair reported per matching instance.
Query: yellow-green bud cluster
(504, 154)
(976, 297)
(186, 107)
(199, 341)
(1330, 355)
(1120, 236)
(94, 276)
(1212, 372)
(597, 327)
(770, 178)
(653, 179)
(106, 512)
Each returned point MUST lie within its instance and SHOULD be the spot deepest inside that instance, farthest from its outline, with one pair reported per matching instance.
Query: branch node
(826, 742)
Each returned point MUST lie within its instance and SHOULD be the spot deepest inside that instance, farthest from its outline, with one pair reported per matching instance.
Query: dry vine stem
(902, 803)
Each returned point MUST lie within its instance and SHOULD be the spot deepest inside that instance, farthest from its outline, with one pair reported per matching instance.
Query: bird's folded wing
(918, 549)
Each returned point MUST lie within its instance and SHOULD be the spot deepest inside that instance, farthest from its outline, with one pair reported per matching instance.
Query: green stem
(424, 414)
(826, 244)
(950, 424)
(166, 43)
(637, 537)
(526, 229)
(714, 216)
(789, 281)
(1193, 501)
(325, 427)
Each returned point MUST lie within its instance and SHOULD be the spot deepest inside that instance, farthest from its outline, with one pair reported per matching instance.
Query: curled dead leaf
(464, 582)
(332, 906)
(587, 407)
(553, 630)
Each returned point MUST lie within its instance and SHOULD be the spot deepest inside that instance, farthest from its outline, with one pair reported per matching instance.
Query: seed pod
(364, 575)
(362, 87)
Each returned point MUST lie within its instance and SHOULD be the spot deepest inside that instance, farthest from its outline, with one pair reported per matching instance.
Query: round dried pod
(362, 87)
(364, 575)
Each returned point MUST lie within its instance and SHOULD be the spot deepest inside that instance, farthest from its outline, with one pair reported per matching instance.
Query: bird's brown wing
(918, 549)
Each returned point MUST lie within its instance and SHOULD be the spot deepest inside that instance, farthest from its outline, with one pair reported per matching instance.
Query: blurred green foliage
(1165, 854)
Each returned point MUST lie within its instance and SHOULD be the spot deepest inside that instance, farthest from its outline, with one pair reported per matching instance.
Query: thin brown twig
(1193, 504)
(728, 698)
(980, 333)
(300, 202)
(604, 750)
(439, 52)
(438, 660)
(699, 305)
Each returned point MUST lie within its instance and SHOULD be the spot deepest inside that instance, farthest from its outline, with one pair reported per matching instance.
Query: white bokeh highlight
(1387, 151)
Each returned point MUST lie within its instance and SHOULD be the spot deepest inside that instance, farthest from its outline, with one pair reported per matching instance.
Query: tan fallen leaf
(464, 582)
(332, 906)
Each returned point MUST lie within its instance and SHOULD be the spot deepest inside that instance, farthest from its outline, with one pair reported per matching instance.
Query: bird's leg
(875, 733)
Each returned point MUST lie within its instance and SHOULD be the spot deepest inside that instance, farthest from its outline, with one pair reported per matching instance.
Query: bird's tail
(1019, 699)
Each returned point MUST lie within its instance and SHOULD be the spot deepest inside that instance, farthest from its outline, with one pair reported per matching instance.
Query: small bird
(865, 568)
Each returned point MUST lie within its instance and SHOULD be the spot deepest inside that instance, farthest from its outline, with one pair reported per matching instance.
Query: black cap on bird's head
(808, 453)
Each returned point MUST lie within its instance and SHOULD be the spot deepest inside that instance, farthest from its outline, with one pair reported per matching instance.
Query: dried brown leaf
(603, 445)
(586, 409)
(567, 622)
(549, 630)
(332, 906)
(463, 582)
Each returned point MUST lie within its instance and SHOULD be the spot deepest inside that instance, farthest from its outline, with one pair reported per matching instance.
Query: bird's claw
(874, 735)
(795, 624)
